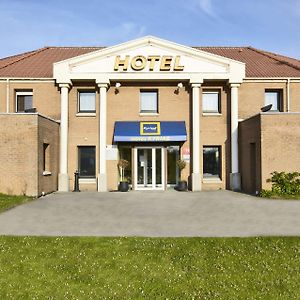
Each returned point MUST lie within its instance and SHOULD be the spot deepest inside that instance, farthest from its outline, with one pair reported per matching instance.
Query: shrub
(283, 184)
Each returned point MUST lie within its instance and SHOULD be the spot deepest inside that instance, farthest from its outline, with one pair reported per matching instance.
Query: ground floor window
(46, 157)
(125, 153)
(212, 161)
(173, 156)
(87, 161)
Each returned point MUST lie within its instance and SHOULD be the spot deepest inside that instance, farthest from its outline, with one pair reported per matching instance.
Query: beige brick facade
(21, 154)
(267, 142)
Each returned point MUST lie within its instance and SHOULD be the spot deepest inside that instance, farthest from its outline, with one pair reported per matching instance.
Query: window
(24, 101)
(211, 161)
(149, 102)
(86, 101)
(46, 157)
(274, 97)
(87, 161)
(211, 102)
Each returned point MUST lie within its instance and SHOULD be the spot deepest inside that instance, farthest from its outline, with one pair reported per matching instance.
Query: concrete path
(217, 213)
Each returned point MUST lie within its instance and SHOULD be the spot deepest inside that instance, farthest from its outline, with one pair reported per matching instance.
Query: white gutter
(288, 94)
(7, 95)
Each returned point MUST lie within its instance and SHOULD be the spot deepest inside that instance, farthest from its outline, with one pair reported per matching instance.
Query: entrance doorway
(149, 168)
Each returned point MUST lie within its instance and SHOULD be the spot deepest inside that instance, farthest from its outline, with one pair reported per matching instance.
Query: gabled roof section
(198, 64)
(39, 63)
(259, 63)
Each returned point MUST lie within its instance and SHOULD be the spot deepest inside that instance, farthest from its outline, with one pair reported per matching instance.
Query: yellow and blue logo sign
(149, 128)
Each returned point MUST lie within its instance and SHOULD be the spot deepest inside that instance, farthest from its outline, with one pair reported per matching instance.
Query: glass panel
(86, 163)
(172, 169)
(140, 166)
(211, 162)
(24, 102)
(148, 153)
(272, 98)
(148, 101)
(210, 102)
(125, 153)
(87, 101)
(158, 166)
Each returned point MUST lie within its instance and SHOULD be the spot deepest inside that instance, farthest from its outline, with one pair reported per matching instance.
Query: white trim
(135, 167)
(212, 114)
(87, 180)
(163, 174)
(212, 180)
(85, 114)
(149, 114)
(27, 79)
(153, 157)
(46, 173)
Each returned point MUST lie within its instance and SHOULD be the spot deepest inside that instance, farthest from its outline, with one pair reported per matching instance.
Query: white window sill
(211, 180)
(149, 114)
(46, 173)
(86, 115)
(207, 114)
(87, 180)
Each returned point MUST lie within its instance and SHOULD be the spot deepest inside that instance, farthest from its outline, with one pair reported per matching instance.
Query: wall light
(179, 86)
(117, 87)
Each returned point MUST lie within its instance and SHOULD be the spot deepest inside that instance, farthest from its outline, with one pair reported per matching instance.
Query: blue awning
(166, 131)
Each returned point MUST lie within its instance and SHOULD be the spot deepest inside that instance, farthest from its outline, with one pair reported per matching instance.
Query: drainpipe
(7, 95)
(288, 94)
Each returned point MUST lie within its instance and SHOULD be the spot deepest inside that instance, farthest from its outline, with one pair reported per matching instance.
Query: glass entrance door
(149, 168)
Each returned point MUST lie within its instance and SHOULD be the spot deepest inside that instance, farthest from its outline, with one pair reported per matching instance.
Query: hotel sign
(141, 62)
(149, 128)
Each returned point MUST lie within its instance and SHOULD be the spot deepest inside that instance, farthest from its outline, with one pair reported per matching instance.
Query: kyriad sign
(150, 62)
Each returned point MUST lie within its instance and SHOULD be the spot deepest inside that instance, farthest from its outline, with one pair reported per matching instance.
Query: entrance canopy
(167, 131)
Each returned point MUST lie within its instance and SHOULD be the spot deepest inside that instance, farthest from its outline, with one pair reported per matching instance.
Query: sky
(272, 25)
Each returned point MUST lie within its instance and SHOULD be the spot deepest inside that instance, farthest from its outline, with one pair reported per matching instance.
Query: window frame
(215, 177)
(22, 93)
(157, 102)
(212, 91)
(279, 99)
(79, 148)
(79, 91)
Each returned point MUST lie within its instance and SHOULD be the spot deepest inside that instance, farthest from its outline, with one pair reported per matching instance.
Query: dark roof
(39, 63)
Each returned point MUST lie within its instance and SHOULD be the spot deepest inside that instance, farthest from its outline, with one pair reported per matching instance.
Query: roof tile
(39, 63)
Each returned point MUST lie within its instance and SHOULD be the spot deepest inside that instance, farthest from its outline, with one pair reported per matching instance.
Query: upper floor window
(86, 101)
(211, 102)
(24, 101)
(274, 97)
(148, 101)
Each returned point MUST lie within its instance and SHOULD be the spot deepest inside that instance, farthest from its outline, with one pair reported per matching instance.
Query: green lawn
(7, 202)
(149, 268)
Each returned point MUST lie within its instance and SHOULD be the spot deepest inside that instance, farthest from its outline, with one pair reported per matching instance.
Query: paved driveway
(217, 213)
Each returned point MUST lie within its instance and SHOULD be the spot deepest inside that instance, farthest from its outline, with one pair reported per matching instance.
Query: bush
(283, 184)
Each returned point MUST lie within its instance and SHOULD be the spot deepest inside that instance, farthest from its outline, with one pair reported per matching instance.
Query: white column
(102, 176)
(63, 177)
(235, 178)
(196, 176)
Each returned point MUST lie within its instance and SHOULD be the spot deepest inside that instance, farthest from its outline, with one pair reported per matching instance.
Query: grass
(149, 268)
(7, 201)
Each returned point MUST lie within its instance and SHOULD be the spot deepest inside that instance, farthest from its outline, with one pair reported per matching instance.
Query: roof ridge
(28, 54)
(268, 54)
(75, 47)
(228, 47)
(16, 55)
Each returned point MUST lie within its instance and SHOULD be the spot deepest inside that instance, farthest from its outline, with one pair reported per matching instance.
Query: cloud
(206, 6)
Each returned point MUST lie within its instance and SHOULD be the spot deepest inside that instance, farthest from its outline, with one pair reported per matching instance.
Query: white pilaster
(63, 177)
(102, 176)
(235, 178)
(196, 176)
